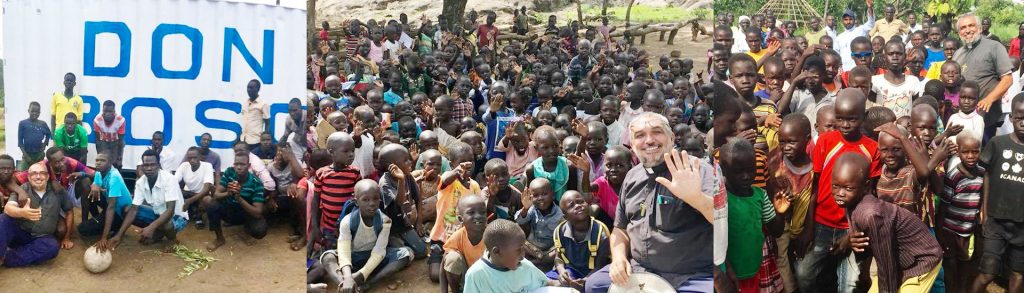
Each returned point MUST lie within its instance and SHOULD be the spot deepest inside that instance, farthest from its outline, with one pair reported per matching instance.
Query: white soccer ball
(96, 261)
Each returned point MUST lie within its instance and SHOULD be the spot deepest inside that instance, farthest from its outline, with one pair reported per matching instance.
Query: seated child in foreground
(502, 269)
(581, 242)
(538, 218)
(465, 246)
(362, 256)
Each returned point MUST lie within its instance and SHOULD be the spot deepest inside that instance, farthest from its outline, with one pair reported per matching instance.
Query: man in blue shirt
(33, 136)
(108, 191)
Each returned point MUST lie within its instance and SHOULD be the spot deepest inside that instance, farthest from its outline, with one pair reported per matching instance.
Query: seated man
(238, 200)
(72, 176)
(683, 243)
(156, 207)
(10, 184)
(110, 193)
(196, 177)
(28, 223)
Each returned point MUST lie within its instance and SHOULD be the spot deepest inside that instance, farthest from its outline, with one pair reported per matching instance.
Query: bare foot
(294, 238)
(316, 288)
(298, 245)
(215, 244)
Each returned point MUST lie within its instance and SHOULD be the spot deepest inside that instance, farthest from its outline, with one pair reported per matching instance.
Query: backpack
(593, 241)
(353, 225)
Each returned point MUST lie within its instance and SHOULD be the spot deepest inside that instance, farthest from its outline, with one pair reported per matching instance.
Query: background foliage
(1006, 15)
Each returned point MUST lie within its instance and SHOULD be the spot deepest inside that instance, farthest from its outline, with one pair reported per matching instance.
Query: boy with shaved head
(332, 187)
(907, 255)
(829, 249)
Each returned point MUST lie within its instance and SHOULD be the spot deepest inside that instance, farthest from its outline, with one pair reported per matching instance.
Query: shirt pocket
(672, 213)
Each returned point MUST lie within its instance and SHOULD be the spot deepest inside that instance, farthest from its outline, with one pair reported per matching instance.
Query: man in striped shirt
(333, 185)
(238, 200)
(109, 130)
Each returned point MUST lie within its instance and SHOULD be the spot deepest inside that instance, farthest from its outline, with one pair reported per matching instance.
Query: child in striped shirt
(959, 209)
(332, 186)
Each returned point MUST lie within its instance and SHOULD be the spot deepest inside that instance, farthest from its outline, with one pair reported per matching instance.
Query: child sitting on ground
(428, 141)
(363, 256)
(427, 180)
(618, 160)
(476, 143)
(465, 246)
(538, 218)
(581, 242)
(559, 170)
(503, 269)
(519, 151)
(503, 200)
(454, 185)
(400, 198)
(332, 187)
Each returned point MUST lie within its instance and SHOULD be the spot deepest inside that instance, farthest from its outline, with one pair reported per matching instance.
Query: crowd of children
(495, 159)
(882, 156)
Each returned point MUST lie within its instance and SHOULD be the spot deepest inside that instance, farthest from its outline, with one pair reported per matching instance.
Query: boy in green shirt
(749, 209)
(72, 138)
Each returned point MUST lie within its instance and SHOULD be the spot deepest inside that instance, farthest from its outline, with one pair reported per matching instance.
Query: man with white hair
(986, 62)
(664, 223)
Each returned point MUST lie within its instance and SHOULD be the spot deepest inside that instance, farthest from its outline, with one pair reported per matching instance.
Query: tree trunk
(311, 22)
(628, 10)
(604, 8)
(452, 11)
(579, 13)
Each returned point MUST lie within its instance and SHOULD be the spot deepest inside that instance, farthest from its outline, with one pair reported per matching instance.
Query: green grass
(639, 14)
(1005, 32)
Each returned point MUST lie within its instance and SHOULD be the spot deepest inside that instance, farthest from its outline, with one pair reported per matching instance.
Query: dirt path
(267, 266)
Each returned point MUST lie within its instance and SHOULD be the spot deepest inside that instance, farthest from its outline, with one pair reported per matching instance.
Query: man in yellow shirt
(65, 102)
(890, 26)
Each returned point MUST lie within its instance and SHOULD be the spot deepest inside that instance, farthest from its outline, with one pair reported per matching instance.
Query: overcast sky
(300, 4)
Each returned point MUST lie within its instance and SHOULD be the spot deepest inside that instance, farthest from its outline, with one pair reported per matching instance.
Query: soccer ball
(96, 261)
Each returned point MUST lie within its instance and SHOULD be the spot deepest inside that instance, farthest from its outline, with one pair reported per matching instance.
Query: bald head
(852, 167)
(338, 139)
(850, 98)
(468, 201)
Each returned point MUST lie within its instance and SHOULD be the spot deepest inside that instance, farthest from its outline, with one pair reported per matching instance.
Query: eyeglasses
(862, 54)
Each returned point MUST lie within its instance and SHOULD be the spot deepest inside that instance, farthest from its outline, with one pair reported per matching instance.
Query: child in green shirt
(72, 138)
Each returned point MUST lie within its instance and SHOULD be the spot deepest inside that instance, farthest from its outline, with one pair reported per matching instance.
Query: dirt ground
(267, 266)
(683, 42)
